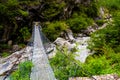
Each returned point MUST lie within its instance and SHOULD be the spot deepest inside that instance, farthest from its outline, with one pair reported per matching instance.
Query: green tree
(23, 71)
(53, 29)
(107, 36)
(110, 4)
(79, 23)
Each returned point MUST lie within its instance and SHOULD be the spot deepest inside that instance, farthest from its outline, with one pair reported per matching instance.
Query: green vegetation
(21, 45)
(53, 9)
(5, 54)
(107, 36)
(93, 9)
(25, 33)
(23, 71)
(110, 4)
(100, 22)
(53, 29)
(106, 43)
(79, 23)
(65, 65)
(4, 50)
(16, 17)
(24, 13)
(104, 64)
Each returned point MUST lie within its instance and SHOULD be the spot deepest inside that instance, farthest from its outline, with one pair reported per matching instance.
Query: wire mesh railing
(42, 69)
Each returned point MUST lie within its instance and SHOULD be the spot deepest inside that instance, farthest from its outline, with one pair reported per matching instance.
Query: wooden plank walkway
(41, 70)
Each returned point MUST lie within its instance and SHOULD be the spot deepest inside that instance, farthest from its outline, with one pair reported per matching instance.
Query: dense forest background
(16, 24)
(17, 17)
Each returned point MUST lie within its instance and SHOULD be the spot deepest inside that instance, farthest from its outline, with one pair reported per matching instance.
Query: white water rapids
(83, 52)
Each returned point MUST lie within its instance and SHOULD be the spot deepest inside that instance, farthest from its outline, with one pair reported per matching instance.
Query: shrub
(23, 71)
(12, 2)
(110, 4)
(100, 22)
(21, 45)
(53, 29)
(107, 36)
(23, 13)
(3, 9)
(5, 54)
(53, 9)
(98, 65)
(79, 23)
(25, 33)
(65, 66)
(108, 63)
(93, 9)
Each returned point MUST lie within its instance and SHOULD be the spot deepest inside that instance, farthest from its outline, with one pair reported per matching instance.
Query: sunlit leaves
(111, 4)
(23, 71)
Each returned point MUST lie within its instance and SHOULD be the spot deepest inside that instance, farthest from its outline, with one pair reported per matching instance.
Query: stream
(83, 52)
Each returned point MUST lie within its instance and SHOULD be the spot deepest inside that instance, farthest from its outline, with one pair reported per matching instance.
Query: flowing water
(83, 52)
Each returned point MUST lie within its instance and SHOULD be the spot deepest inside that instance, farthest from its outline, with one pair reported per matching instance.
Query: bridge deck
(41, 69)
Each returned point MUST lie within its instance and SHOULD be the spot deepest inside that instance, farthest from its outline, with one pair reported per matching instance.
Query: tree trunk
(6, 33)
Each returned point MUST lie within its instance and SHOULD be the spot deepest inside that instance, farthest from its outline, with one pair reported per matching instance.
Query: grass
(5, 54)
(23, 71)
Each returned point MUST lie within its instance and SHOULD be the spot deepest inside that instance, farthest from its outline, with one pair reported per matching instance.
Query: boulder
(9, 42)
(99, 77)
(15, 48)
(8, 63)
(68, 35)
(63, 43)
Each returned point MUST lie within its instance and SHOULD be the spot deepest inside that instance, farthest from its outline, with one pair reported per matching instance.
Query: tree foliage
(110, 4)
(53, 30)
(79, 23)
(23, 71)
(107, 36)
(65, 65)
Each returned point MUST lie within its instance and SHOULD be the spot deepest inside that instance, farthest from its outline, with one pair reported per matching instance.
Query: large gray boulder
(61, 43)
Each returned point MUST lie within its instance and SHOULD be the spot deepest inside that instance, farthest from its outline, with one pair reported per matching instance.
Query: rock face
(65, 42)
(104, 13)
(61, 42)
(10, 42)
(68, 35)
(15, 48)
(52, 53)
(82, 51)
(82, 41)
(101, 77)
(7, 64)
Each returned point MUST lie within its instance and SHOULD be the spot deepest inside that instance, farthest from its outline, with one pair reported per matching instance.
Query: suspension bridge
(42, 69)
(39, 46)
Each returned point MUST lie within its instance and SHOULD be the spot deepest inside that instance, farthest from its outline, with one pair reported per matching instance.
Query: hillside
(97, 19)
